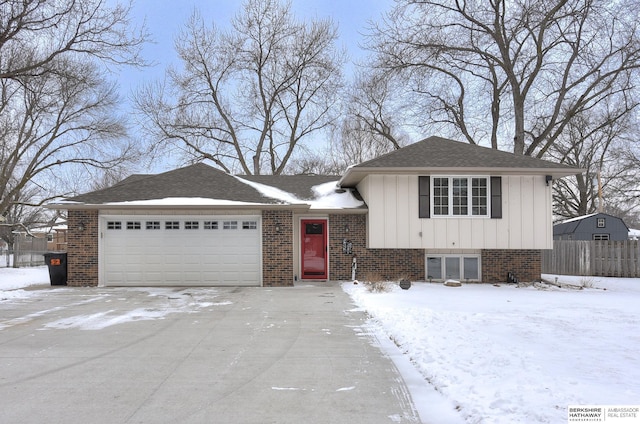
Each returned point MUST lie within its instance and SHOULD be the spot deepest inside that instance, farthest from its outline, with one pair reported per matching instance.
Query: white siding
(393, 220)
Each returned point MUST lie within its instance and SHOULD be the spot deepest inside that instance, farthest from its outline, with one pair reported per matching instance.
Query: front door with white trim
(314, 262)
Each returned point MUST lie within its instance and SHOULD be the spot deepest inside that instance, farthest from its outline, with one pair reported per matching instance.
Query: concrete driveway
(194, 355)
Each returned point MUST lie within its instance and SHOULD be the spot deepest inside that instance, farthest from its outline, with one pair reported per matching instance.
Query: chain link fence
(27, 251)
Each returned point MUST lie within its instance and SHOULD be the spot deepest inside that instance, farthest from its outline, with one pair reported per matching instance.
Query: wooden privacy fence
(593, 258)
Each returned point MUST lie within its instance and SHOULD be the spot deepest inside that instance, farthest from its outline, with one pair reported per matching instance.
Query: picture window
(460, 196)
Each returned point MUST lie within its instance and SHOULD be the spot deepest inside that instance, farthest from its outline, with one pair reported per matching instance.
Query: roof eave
(354, 175)
(125, 206)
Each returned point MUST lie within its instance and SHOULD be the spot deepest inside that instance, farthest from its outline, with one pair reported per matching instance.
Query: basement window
(455, 267)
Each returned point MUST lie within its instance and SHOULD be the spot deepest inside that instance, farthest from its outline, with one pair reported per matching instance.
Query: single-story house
(595, 226)
(433, 210)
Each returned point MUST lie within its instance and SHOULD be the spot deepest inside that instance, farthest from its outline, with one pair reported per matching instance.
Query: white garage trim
(180, 250)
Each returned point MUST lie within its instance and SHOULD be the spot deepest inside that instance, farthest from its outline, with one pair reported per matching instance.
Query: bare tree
(246, 98)
(501, 70)
(20, 217)
(596, 141)
(56, 104)
(34, 34)
(374, 114)
(55, 119)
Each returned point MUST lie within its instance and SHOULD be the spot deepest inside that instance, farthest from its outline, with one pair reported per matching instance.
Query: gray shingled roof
(436, 154)
(439, 152)
(197, 180)
(202, 181)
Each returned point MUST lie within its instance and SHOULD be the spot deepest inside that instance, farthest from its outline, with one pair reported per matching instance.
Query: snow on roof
(328, 196)
(272, 192)
(182, 201)
(578, 218)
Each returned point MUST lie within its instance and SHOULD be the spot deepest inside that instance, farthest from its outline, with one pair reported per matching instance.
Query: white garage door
(181, 250)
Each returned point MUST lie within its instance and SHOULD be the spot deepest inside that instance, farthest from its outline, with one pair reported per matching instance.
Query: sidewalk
(244, 355)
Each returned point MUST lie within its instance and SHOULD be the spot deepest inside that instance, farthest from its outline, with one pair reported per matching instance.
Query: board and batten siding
(393, 222)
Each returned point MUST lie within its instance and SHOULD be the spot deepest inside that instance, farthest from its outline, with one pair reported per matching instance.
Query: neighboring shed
(596, 226)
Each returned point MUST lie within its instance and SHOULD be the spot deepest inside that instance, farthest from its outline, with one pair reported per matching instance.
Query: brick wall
(277, 248)
(388, 264)
(525, 264)
(82, 248)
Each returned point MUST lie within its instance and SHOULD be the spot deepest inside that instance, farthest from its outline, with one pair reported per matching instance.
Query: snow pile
(515, 355)
(328, 197)
(18, 278)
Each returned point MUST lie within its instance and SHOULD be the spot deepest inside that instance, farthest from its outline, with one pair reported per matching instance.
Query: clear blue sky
(165, 18)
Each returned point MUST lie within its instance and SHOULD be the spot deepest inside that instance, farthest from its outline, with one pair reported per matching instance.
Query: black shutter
(424, 189)
(496, 197)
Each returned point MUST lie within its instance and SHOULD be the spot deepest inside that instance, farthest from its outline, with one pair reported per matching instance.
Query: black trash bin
(57, 263)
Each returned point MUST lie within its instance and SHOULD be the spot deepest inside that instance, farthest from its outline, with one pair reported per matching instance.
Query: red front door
(314, 248)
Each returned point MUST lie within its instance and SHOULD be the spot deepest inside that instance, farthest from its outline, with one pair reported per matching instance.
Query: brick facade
(277, 248)
(388, 264)
(82, 248)
(278, 255)
(525, 264)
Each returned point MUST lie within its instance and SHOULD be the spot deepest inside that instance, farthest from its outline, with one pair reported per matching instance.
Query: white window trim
(487, 178)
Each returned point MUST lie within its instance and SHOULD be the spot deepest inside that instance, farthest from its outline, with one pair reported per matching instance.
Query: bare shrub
(376, 284)
(587, 282)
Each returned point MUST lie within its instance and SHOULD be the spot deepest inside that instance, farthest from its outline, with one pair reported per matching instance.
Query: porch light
(81, 226)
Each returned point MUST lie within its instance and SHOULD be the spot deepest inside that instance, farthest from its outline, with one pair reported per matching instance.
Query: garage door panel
(144, 252)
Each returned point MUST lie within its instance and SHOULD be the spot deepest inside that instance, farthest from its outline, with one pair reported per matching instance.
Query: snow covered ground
(18, 278)
(514, 355)
(485, 354)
